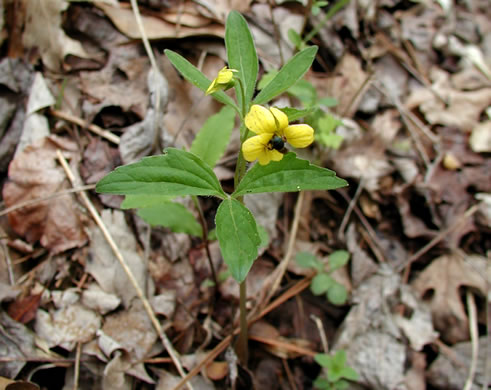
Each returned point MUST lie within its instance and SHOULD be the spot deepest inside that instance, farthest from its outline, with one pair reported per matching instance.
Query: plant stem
(241, 347)
(334, 9)
(204, 228)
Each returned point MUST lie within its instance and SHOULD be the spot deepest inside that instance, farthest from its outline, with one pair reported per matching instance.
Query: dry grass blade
(471, 304)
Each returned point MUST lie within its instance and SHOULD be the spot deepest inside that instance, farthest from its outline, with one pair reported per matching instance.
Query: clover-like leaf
(173, 173)
(321, 283)
(337, 259)
(288, 175)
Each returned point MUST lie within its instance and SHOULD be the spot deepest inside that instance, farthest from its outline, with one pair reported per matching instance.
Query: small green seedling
(323, 282)
(336, 373)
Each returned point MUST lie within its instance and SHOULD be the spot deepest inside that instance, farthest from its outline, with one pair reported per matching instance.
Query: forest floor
(404, 88)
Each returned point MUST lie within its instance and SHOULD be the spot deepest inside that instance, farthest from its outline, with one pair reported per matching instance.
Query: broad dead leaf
(34, 173)
(442, 280)
(43, 31)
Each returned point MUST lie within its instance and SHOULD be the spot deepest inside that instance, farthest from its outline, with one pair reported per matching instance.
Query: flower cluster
(272, 131)
(223, 81)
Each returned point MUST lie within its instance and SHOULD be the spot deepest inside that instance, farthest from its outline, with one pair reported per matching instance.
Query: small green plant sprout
(152, 184)
(323, 282)
(336, 373)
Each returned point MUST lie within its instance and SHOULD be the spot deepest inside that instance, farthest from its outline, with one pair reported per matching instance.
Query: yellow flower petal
(281, 119)
(269, 155)
(260, 120)
(224, 76)
(299, 136)
(212, 88)
(256, 147)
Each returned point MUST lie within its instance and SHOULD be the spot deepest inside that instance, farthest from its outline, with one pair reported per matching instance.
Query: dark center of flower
(277, 143)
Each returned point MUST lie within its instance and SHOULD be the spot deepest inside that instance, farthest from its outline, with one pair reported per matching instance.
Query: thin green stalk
(241, 346)
(335, 8)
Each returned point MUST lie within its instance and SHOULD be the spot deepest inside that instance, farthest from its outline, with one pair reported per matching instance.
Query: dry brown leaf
(480, 139)
(442, 279)
(346, 84)
(34, 173)
(155, 28)
(462, 108)
(43, 31)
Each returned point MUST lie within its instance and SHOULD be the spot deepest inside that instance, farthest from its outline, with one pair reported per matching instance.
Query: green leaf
(294, 38)
(322, 384)
(337, 259)
(349, 373)
(337, 294)
(288, 175)
(342, 385)
(241, 54)
(267, 77)
(328, 101)
(288, 75)
(238, 237)
(195, 77)
(308, 260)
(212, 140)
(305, 92)
(143, 200)
(323, 359)
(174, 216)
(264, 236)
(294, 113)
(173, 173)
(321, 283)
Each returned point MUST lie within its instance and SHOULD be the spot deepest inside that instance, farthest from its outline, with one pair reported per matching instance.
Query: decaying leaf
(43, 31)
(103, 265)
(35, 173)
(450, 370)
(441, 282)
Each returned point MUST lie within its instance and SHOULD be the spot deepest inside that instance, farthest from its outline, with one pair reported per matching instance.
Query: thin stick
(322, 332)
(349, 210)
(8, 261)
(76, 375)
(440, 236)
(107, 235)
(291, 379)
(471, 305)
(242, 345)
(44, 198)
(284, 345)
(84, 124)
(281, 269)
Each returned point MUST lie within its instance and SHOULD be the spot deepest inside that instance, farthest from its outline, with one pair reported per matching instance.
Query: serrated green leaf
(241, 54)
(337, 259)
(238, 237)
(174, 173)
(337, 294)
(308, 260)
(212, 140)
(288, 175)
(195, 77)
(288, 75)
(321, 283)
(143, 200)
(174, 216)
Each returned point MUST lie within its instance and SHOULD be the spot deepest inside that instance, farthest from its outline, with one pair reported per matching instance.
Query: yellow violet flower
(272, 129)
(224, 80)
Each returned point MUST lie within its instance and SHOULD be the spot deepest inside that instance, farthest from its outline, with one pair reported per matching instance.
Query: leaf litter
(414, 101)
